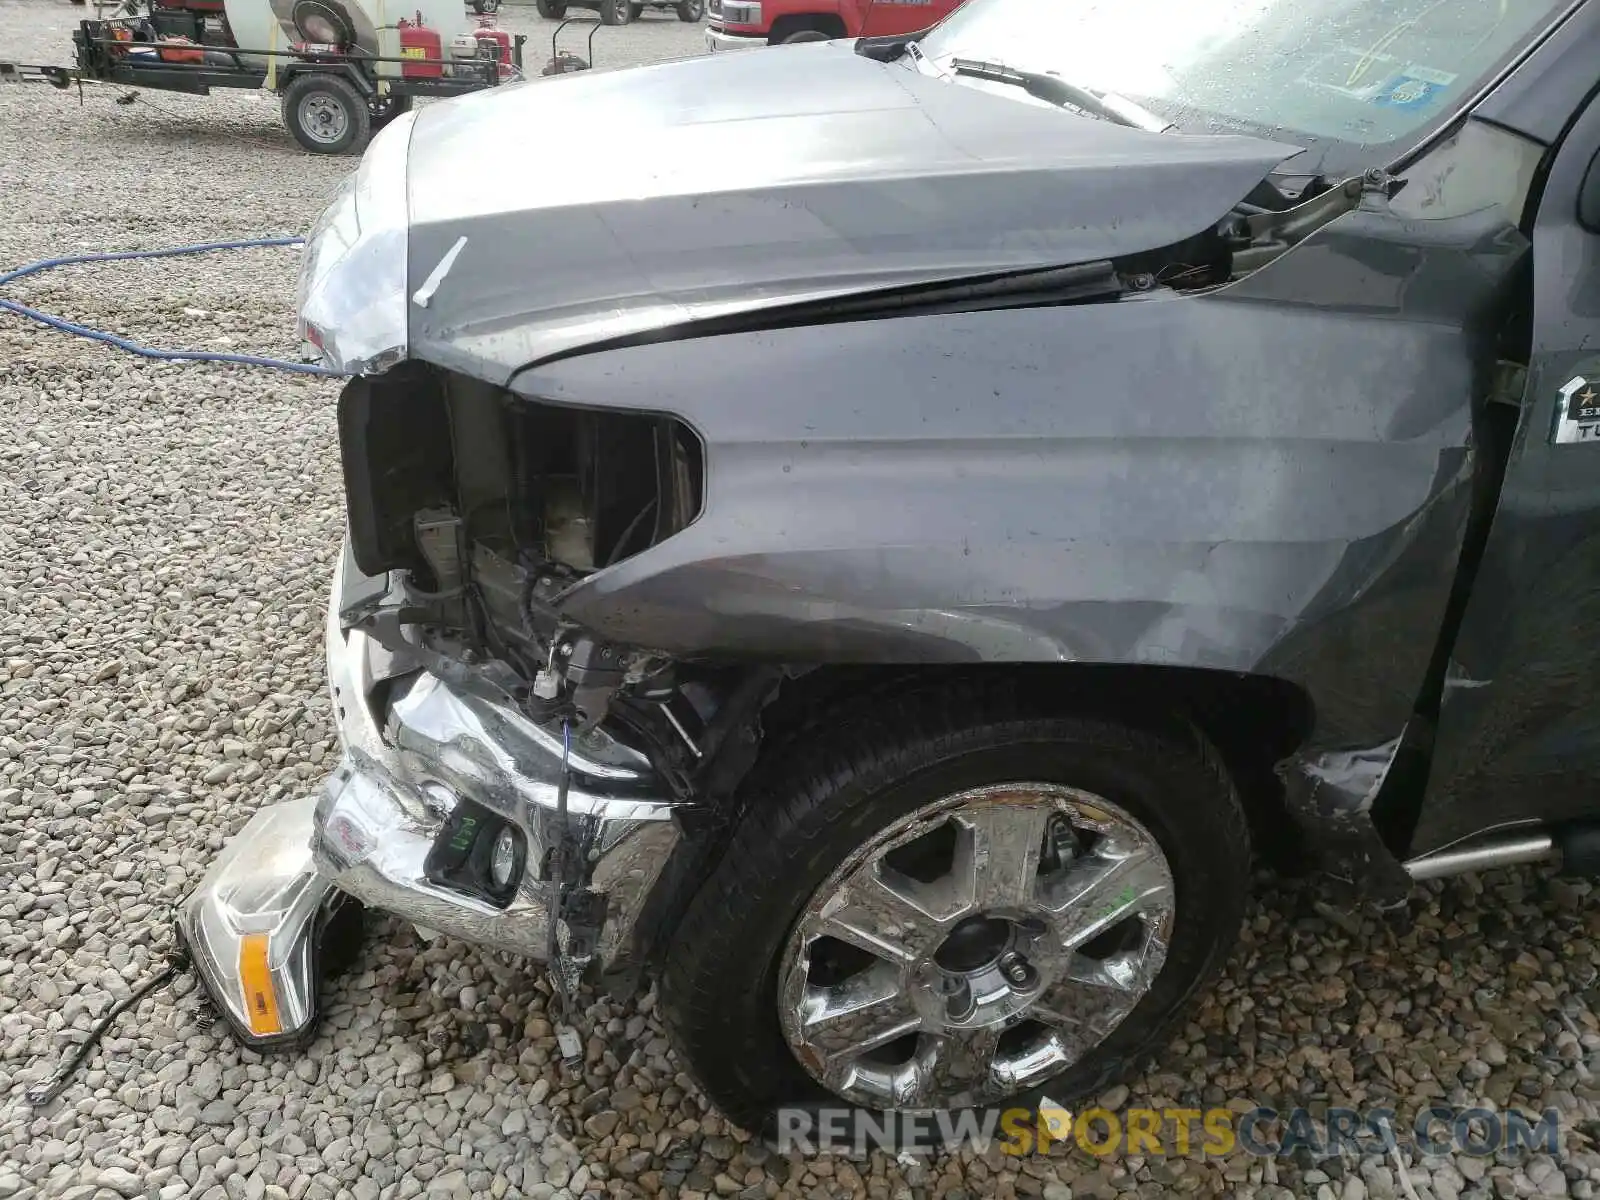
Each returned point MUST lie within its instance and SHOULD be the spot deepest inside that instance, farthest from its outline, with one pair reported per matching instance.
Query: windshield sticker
(1348, 71)
(1429, 75)
(1414, 89)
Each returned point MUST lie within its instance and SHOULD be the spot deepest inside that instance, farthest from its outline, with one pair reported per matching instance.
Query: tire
(816, 801)
(691, 11)
(485, 7)
(381, 112)
(635, 12)
(551, 10)
(805, 35)
(615, 12)
(326, 114)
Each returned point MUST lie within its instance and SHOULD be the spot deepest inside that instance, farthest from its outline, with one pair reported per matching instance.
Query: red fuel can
(417, 41)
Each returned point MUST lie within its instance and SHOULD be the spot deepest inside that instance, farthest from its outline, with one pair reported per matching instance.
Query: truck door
(1519, 727)
(884, 18)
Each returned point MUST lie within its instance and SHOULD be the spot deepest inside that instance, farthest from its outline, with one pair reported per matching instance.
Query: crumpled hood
(570, 210)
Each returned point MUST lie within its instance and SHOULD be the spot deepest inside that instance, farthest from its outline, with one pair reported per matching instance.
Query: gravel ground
(163, 562)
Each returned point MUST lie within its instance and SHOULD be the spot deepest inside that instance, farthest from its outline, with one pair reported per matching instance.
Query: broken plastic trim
(253, 923)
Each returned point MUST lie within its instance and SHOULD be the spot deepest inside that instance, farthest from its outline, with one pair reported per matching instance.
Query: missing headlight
(595, 488)
(532, 488)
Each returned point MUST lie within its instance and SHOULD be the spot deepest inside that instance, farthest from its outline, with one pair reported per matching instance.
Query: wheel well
(350, 75)
(1254, 721)
(786, 26)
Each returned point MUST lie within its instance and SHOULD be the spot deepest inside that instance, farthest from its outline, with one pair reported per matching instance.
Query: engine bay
(491, 508)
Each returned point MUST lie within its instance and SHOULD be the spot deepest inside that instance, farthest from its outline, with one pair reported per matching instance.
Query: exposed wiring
(621, 543)
(128, 344)
(558, 868)
(44, 1093)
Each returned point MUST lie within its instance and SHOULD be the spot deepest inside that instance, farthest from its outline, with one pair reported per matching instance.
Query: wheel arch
(352, 75)
(724, 959)
(792, 23)
(1251, 721)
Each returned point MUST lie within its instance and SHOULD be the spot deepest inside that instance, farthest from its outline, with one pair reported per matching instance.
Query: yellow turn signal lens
(260, 998)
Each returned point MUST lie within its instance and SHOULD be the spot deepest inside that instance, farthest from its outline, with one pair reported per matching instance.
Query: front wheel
(805, 35)
(615, 12)
(326, 114)
(691, 10)
(955, 901)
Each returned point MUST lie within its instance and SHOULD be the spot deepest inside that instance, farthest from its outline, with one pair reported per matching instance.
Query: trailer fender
(359, 79)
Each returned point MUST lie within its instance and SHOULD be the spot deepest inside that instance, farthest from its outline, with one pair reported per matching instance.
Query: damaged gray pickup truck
(884, 548)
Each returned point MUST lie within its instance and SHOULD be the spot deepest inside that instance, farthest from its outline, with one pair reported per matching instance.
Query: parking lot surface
(166, 537)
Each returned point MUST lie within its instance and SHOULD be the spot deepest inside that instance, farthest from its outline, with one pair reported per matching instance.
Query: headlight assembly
(353, 281)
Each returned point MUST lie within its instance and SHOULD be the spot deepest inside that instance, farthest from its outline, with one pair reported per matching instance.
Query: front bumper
(720, 39)
(415, 745)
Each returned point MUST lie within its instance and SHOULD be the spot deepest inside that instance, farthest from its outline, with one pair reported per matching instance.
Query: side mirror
(1589, 197)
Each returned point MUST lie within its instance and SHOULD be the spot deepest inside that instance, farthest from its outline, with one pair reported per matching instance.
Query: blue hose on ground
(133, 347)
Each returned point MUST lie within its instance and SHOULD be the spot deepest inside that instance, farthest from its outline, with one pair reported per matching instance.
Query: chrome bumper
(717, 39)
(404, 769)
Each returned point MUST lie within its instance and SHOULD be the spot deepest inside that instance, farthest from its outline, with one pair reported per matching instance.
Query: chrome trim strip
(1500, 852)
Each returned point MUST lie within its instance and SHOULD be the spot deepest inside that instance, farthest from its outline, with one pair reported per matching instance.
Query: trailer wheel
(381, 112)
(551, 10)
(615, 12)
(326, 114)
(691, 10)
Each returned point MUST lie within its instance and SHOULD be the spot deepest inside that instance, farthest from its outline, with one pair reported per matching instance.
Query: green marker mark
(463, 837)
(1121, 900)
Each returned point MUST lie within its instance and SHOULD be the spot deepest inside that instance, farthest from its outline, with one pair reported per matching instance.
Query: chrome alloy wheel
(976, 948)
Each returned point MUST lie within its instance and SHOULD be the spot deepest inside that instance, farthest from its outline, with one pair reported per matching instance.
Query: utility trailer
(342, 69)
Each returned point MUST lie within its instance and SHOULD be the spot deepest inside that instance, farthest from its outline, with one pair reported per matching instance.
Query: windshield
(1347, 79)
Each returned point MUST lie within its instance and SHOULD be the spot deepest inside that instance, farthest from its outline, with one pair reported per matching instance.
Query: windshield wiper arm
(1056, 90)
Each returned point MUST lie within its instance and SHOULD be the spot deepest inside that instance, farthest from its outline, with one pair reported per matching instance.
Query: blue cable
(50, 264)
(133, 347)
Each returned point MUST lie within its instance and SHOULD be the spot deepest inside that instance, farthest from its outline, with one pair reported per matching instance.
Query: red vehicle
(739, 24)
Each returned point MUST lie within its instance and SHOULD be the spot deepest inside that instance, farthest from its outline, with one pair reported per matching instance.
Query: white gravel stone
(164, 562)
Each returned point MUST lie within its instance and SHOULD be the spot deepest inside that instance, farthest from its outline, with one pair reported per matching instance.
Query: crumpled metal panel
(735, 182)
(399, 776)
(1274, 477)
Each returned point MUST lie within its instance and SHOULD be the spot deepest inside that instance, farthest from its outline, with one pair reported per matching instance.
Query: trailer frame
(102, 57)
